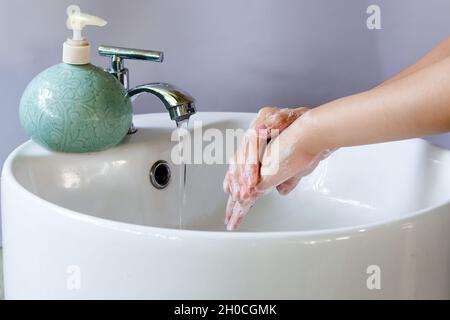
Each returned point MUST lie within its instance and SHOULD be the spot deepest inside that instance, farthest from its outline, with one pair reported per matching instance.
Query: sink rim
(172, 233)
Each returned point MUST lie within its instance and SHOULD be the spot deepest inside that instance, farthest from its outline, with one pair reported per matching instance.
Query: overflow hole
(160, 174)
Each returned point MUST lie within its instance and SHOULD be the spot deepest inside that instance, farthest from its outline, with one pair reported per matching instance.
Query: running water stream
(182, 130)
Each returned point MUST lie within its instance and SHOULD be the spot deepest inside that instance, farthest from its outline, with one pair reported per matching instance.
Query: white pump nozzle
(77, 20)
(76, 50)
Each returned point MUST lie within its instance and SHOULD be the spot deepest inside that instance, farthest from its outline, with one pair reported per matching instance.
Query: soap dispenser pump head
(76, 50)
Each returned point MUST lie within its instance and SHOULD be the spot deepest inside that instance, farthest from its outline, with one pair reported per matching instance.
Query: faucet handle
(118, 54)
(129, 53)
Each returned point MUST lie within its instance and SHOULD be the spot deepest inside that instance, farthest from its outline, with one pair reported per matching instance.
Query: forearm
(439, 53)
(414, 106)
(414, 103)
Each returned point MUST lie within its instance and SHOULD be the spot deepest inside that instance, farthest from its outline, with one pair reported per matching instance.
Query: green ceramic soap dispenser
(75, 106)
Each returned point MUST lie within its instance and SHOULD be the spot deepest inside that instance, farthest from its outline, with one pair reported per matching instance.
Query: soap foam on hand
(270, 121)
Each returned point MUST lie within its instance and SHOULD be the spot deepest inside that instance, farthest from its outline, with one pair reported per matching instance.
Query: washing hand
(414, 103)
(244, 171)
(297, 154)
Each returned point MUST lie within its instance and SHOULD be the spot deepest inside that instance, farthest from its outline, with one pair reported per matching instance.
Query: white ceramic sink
(92, 225)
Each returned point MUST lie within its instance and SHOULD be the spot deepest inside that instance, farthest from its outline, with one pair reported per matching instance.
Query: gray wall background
(235, 55)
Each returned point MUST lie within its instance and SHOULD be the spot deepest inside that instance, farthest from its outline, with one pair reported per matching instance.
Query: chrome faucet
(180, 104)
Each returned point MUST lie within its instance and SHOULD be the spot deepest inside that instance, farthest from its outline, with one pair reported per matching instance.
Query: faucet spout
(180, 104)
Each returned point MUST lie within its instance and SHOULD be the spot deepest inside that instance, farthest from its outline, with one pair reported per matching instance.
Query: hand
(243, 174)
(299, 151)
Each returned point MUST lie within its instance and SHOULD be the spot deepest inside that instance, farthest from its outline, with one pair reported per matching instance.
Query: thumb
(269, 181)
(289, 185)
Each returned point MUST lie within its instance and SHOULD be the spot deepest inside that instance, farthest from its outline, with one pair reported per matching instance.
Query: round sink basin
(369, 222)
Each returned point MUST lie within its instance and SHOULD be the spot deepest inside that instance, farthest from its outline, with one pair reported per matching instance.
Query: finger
(241, 209)
(226, 183)
(245, 183)
(274, 170)
(281, 120)
(251, 167)
(238, 211)
(263, 114)
(244, 152)
(234, 180)
(239, 222)
(252, 178)
(235, 188)
(229, 209)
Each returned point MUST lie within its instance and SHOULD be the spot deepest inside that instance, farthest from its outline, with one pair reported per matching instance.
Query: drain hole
(160, 174)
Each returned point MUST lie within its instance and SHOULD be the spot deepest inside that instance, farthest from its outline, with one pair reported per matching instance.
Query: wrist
(311, 133)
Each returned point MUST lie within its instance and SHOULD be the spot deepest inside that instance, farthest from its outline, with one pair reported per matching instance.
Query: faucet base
(132, 130)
